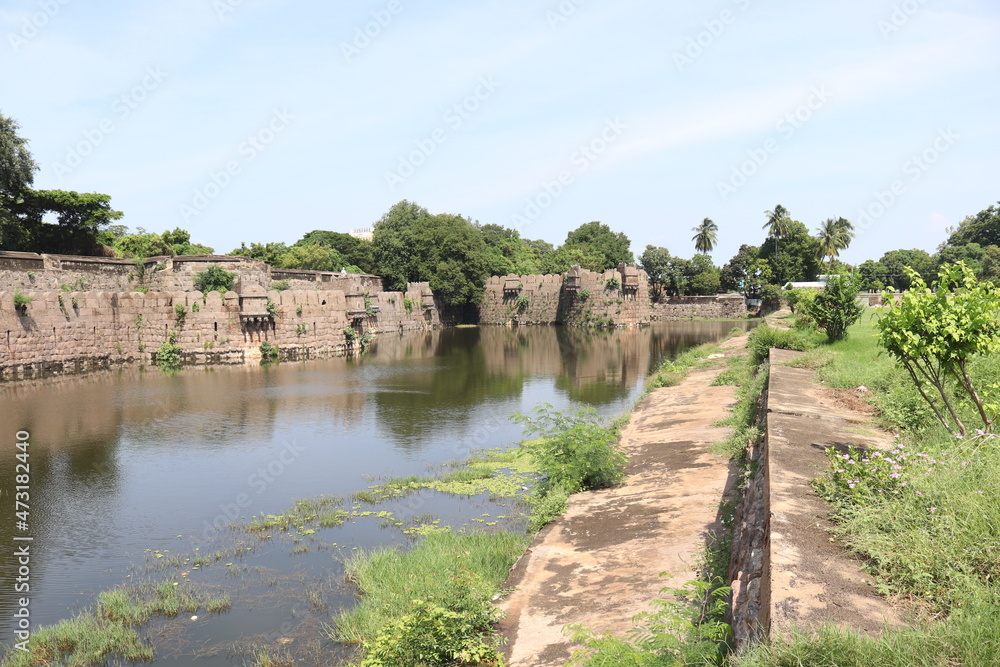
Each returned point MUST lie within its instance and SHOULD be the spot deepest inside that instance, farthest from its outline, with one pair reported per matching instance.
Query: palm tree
(706, 236)
(834, 235)
(777, 224)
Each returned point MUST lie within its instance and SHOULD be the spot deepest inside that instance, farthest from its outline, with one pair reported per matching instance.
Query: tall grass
(390, 580)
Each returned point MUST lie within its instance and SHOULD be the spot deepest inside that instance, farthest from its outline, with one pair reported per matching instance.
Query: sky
(256, 121)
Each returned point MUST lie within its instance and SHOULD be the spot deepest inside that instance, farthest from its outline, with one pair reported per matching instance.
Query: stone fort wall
(62, 332)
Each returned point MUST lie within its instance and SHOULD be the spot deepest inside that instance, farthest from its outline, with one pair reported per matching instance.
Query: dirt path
(599, 564)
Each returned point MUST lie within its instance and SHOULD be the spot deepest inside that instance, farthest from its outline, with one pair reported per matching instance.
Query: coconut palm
(834, 235)
(777, 224)
(706, 236)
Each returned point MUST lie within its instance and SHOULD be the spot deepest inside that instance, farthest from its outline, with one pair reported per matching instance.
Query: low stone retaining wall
(719, 307)
(785, 571)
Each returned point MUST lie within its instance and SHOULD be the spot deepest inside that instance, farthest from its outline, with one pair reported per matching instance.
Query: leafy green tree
(448, 251)
(315, 257)
(598, 237)
(895, 262)
(269, 252)
(706, 236)
(563, 259)
(834, 234)
(835, 307)
(354, 251)
(79, 218)
(705, 278)
(214, 278)
(798, 257)
(746, 272)
(777, 224)
(872, 275)
(934, 333)
(508, 252)
(982, 228)
(179, 241)
(655, 261)
(17, 173)
(140, 245)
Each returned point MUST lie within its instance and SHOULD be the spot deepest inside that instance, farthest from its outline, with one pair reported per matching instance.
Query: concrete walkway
(599, 564)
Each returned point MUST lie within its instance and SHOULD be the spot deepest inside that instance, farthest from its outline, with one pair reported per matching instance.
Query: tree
(746, 272)
(704, 278)
(655, 261)
(706, 236)
(982, 228)
(835, 234)
(836, 307)
(214, 278)
(777, 224)
(315, 257)
(354, 251)
(508, 252)
(269, 252)
(565, 257)
(934, 333)
(179, 241)
(797, 259)
(141, 245)
(448, 251)
(895, 263)
(80, 216)
(599, 238)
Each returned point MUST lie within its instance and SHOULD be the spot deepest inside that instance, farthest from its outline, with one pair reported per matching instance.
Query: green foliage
(314, 257)
(770, 296)
(195, 307)
(521, 303)
(612, 284)
(21, 301)
(836, 307)
(706, 236)
(168, 357)
(456, 572)
(79, 218)
(272, 309)
(367, 338)
(598, 238)
(575, 451)
(408, 305)
(583, 294)
(797, 256)
(982, 228)
(350, 334)
(745, 273)
(935, 333)
(686, 629)
(214, 278)
(764, 337)
(269, 352)
(834, 235)
(655, 261)
(301, 330)
(280, 285)
(180, 310)
(356, 255)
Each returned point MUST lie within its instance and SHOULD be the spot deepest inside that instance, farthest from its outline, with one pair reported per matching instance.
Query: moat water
(130, 467)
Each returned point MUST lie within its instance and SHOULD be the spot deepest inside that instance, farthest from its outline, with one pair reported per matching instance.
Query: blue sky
(245, 120)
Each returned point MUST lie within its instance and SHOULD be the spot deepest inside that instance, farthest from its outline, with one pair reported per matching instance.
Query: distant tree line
(456, 255)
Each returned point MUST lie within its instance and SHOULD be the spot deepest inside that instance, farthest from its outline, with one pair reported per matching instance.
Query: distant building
(363, 233)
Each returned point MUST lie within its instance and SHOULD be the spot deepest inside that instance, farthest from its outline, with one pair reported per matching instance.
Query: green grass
(390, 580)
(109, 631)
(673, 371)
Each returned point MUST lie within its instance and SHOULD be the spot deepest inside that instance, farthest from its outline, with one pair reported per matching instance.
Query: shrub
(770, 297)
(168, 357)
(763, 338)
(612, 283)
(195, 307)
(181, 311)
(300, 330)
(521, 303)
(280, 285)
(408, 305)
(21, 302)
(272, 309)
(934, 335)
(351, 334)
(584, 294)
(575, 451)
(214, 278)
(836, 307)
(268, 351)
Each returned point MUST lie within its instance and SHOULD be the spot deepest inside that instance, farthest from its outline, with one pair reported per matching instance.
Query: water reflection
(130, 459)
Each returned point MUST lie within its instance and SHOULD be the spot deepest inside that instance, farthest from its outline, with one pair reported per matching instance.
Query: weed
(21, 302)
